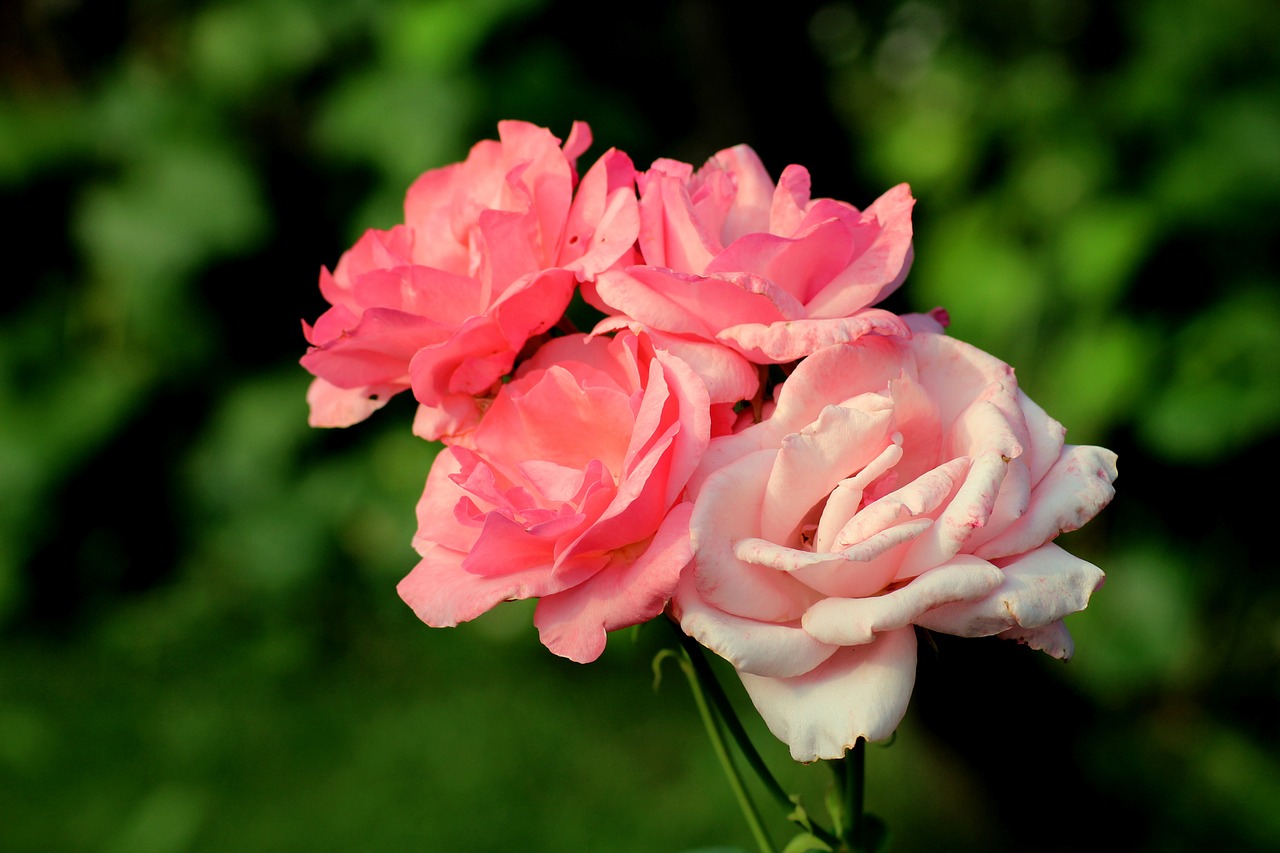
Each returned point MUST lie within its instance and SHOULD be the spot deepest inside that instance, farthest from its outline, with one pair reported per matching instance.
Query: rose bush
(729, 257)
(899, 482)
(488, 257)
(570, 491)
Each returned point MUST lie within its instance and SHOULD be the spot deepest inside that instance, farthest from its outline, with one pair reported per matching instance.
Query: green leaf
(798, 814)
(805, 841)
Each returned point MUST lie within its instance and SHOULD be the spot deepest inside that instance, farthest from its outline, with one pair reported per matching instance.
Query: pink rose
(488, 257)
(765, 270)
(899, 482)
(571, 491)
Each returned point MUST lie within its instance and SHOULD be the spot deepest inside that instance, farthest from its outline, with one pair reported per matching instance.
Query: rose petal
(443, 594)
(332, 406)
(604, 220)
(725, 511)
(859, 692)
(788, 339)
(753, 196)
(671, 235)
(1074, 490)
(629, 590)
(1053, 639)
(797, 264)
(881, 268)
(969, 510)
(920, 497)
(846, 498)
(811, 462)
(834, 374)
(774, 649)
(1039, 588)
(790, 199)
(854, 621)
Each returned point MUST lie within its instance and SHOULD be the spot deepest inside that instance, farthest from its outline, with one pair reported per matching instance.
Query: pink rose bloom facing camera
(765, 270)
(899, 482)
(571, 491)
(489, 256)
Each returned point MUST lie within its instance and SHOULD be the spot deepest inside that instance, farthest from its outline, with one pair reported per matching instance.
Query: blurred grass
(202, 647)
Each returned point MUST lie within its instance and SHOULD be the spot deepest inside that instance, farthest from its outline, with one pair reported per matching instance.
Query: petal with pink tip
(1072, 492)
(854, 621)
(968, 510)
(1040, 587)
(789, 339)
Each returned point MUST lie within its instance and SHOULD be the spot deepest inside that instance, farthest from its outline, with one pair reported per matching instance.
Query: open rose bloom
(488, 257)
(762, 269)
(572, 494)
(803, 528)
(898, 483)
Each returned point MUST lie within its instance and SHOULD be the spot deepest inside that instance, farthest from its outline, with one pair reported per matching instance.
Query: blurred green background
(202, 648)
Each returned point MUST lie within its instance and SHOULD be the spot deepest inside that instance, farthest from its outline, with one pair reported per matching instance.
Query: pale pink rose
(571, 491)
(899, 482)
(489, 255)
(766, 270)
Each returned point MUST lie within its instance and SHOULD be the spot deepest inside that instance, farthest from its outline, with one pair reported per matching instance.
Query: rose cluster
(800, 479)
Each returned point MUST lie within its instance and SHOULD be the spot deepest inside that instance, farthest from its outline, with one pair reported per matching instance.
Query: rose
(765, 270)
(488, 257)
(897, 483)
(571, 491)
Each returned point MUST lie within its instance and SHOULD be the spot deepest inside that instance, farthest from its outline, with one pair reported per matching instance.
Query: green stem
(721, 701)
(711, 685)
(852, 775)
(726, 761)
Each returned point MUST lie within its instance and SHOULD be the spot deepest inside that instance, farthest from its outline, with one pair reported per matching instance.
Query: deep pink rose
(488, 257)
(898, 482)
(766, 270)
(571, 491)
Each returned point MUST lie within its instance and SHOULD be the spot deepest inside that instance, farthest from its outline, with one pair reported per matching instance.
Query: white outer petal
(777, 650)
(860, 691)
